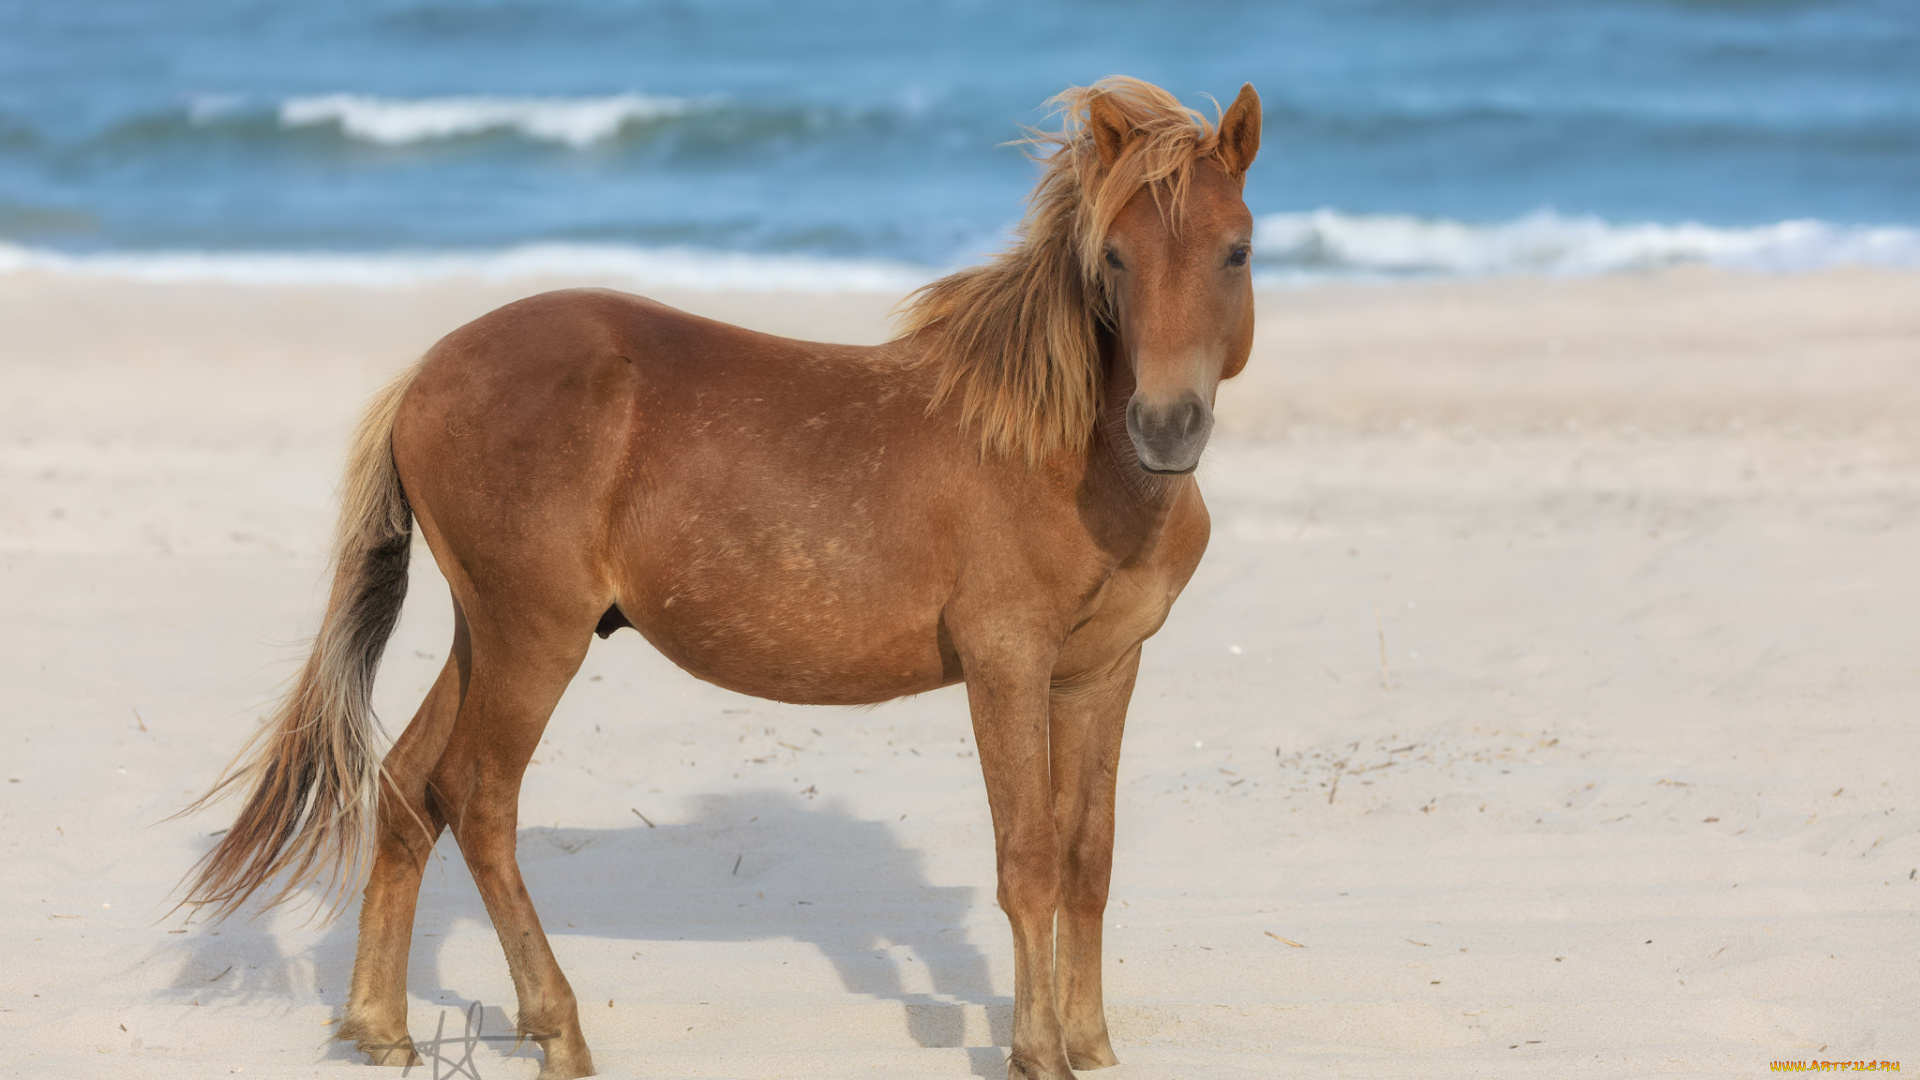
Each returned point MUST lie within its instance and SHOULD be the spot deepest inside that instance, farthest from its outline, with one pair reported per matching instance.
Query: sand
(1545, 706)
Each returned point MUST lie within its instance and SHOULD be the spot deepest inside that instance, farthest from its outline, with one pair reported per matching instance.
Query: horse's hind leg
(521, 665)
(408, 823)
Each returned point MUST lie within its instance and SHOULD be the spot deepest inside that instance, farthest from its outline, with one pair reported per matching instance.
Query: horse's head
(1136, 235)
(1176, 262)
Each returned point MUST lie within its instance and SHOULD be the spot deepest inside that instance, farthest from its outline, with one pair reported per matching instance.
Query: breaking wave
(1328, 242)
(575, 121)
(1302, 247)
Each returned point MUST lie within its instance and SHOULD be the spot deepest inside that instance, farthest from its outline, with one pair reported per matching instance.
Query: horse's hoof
(400, 1053)
(1024, 1068)
(390, 1047)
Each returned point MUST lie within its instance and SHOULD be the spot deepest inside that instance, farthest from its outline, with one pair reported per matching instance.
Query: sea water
(842, 145)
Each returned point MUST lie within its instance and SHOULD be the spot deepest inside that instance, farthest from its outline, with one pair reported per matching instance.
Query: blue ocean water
(1402, 136)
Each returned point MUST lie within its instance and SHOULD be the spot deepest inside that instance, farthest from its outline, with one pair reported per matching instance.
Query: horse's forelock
(1163, 140)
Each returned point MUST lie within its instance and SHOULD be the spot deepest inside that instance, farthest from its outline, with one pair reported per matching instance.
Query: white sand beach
(1545, 706)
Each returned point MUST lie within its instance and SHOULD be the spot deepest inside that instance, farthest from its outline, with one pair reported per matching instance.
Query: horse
(1002, 495)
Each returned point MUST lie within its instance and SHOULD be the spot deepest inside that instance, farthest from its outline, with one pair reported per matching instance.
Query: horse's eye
(1238, 256)
(1113, 260)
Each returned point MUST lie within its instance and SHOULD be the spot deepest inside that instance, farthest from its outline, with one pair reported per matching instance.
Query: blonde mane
(1018, 337)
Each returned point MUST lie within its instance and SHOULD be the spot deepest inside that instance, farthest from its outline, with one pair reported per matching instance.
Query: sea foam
(1327, 242)
(1290, 248)
(575, 121)
(640, 267)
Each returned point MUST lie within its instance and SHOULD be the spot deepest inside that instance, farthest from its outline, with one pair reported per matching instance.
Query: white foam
(643, 267)
(575, 121)
(1310, 246)
(1328, 241)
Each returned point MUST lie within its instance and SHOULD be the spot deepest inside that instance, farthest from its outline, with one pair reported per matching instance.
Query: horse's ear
(1240, 131)
(1109, 129)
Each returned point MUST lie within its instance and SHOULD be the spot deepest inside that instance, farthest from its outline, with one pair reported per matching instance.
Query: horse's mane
(1018, 338)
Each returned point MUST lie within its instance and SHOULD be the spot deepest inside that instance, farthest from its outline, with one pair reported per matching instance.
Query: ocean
(841, 145)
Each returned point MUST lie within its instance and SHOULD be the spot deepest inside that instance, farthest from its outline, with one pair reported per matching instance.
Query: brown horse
(1002, 495)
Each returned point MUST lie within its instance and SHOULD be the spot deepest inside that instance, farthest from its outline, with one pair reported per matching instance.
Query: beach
(1544, 706)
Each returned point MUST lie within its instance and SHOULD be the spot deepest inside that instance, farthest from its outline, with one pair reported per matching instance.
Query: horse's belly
(807, 654)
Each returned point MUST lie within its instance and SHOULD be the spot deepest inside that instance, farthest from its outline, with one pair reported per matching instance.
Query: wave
(1330, 242)
(1291, 247)
(576, 121)
(681, 268)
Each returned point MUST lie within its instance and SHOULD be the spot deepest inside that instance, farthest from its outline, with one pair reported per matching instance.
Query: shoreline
(1301, 247)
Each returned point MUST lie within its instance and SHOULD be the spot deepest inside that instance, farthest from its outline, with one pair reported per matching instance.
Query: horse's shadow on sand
(751, 867)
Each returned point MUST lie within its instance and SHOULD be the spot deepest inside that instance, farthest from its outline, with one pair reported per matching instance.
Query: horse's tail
(313, 769)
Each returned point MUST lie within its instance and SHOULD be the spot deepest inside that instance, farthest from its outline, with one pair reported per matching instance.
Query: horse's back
(554, 395)
(555, 338)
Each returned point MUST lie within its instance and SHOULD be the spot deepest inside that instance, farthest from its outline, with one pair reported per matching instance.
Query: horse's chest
(1127, 610)
(1134, 600)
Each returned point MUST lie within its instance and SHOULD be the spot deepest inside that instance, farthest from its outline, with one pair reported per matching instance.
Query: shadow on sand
(750, 867)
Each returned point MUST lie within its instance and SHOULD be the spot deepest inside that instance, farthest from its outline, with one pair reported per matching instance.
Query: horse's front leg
(1008, 698)
(1086, 721)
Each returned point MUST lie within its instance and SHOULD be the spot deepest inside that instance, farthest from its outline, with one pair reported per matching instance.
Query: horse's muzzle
(1169, 438)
